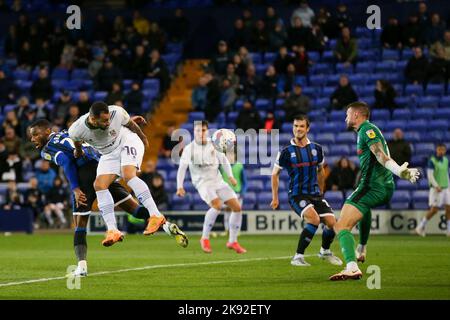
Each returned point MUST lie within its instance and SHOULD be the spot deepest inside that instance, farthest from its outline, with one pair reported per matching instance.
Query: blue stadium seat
(256, 57)
(424, 149)
(439, 125)
(337, 115)
(328, 56)
(407, 53)
(321, 68)
(385, 66)
(264, 199)
(249, 201)
(435, 89)
(394, 124)
(321, 103)
(59, 84)
(269, 57)
(79, 74)
(346, 137)
(262, 104)
(334, 198)
(317, 80)
(327, 92)
(310, 92)
(366, 90)
(333, 80)
(405, 102)
(150, 84)
(255, 186)
(442, 113)
(100, 95)
(423, 184)
(412, 136)
(401, 114)
(23, 85)
(380, 114)
(314, 56)
(420, 199)
(414, 89)
(418, 161)
(428, 102)
(390, 54)
(339, 150)
(60, 74)
(196, 115)
(444, 102)
(367, 55)
(365, 67)
(333, 126)
(425, 114)
(358, 79)
(325, 138)
(344, 68)
(400, 200)
(364, 43)
(419, 124)
(21, 74)
(405, 185)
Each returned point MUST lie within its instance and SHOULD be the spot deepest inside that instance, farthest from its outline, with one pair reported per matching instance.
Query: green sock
(364, 228)
(347, 243)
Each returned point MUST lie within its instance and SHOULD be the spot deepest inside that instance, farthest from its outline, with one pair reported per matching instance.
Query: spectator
(148, 172)
(56, 199)
(445, 45)
(107, 75)
(8, 90)
(220, 60)
(269, 83)
(384, 95)
(298, 34)
(134, 99)
(95, 65)
(286, 82)
(399, 149)
(102, 29)
(435, 31)
(62, 106)
(271, 122)
(11, 140)
(391, 36)
(245, 56)
(11, 121)
(247, 18)
(228, 95)
(42, 111)
(412, 32)
(239, 66)
(33, 199)
(12, 167)
(168, 144)
(141, 24)
(82, 55)
(438, 68)
(343, 18)
(317, 40)
(28, 118)
(23, 104)
(326, 23)
(139, 64)
(159, 194)
(26, 59)
(156, 38)
(346, 48)
(157, 69)
(416, 69)
(115, 94)
(278, 36)
(67, 56)
(297, 103)
(241, 35)
(343, 95)
(301, 60)
(304, 12)
(11, 42)
(342, 176)
(232, 76)
(84, 102)
(199, 94)
(423, 16)
(46, 177)
(260, 37)
(13, 199)
(178, 27)
(271, 19)
(213, 96)
(120, 60)
(282, 61)
(248, 118)
(250, 83)
(42, 87)
(72, 115)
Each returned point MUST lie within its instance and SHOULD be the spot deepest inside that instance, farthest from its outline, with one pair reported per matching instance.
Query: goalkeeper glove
(409, 174)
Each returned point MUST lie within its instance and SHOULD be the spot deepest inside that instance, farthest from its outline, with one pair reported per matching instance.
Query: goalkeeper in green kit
(375, 188)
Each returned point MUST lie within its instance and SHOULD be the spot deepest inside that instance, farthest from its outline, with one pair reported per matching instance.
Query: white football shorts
(438, 199)
(209, 191)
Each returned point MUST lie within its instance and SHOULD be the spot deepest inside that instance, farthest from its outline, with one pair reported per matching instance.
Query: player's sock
(80, 244)
(144, 196)
(60, 215)
(106, 207)
(210, 219)
(423, 223)
(347, 243)
(364, 228)
(235, 226)
(327, 238)
(141, 212)
(305, 237)
(226, 220)
(48, 216)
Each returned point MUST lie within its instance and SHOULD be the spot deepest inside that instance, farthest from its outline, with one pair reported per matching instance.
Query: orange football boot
(112, 236)
(153, 225)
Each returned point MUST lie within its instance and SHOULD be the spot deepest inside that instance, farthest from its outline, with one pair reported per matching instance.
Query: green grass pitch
(411, 268)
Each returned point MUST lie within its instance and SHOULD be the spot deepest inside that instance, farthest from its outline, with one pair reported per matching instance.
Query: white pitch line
(192, 264)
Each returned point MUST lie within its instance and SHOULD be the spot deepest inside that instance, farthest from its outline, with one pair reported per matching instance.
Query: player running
(303, 161)
(203, 161)
(437, 174)
(375, 187)
(120, 141)
(59, 148)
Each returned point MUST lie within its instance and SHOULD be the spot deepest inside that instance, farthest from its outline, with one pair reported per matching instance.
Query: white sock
(226, 220)
(352, 266)
(106, 207)
(298, 255)
(166, 228)
(423, 223)
(48, 216)
(235, 226)
(60, 215)
(144, 196)
(82, 264)
(324, 251)
(361, 247)
(210, 218)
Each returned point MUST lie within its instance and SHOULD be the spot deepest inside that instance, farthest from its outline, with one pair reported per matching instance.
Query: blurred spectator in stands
(11, 42)
(28, 154)
(157, 69)
(239, 66)
(156, 37)
(384, 95)
(444, 44)
(13, 199)
(23, 28)
(59, 112)
(45, 26)
(213, 96)
(119, 27)
(11, 168)
(23, 104)
(296, 103)
(343, 95)
(304, 12)
(423, 15)
(107, 75)
(34, 40)
(115, 94)
(271, 122)
(278, 36)
(149, 171)
(228, 95)
(140, 23)
(3, 6)
(343, 18)
(158, 192)
(298, 34)
(435, 31)
(245, 56)
(11, 140)
(301, 60)
(56, 201)
(391, 36)
(168, 144)
(41, 108)
(11, 121)
(72, 115)
(26, 59)
(326, 23)
(84, 102)
(282, 60)
(44, 54)
(287, 81)
(438, 68)
(346, 48)
(29, 116)
(42, 87)
(399, 148)
(247, 18)
(412, 32)
(33, 199)
(260, 37)
(3, 157)
(317, 40)
(269, 82)
(241, 35)
(139, 64)
(342, 176)
(45, 176)
(120, 60)
(232, 76)
(67, 57)
(198, 97)
(57, 39)
(134, 98)
(416, 69)
(95, 65)
(250, 83)
(102, 29)
(82, 55)
(271, 19)
(178, 27)
(248, 118)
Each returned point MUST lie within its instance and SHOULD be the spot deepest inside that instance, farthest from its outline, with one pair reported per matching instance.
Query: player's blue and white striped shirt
(301, 164)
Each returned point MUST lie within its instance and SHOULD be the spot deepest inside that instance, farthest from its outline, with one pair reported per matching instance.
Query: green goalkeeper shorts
(369, 197)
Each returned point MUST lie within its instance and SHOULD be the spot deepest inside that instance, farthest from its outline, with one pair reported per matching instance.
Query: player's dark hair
(361, 107)
(41, 123)
(98, 108)
(302, 117)
(203, 123)
(440, 144)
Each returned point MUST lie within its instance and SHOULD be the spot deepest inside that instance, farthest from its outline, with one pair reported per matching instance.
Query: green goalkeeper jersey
(372, 172)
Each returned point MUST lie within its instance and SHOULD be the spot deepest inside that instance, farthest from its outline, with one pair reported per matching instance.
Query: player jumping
(203, 161)
(303, 161)
(375, 187)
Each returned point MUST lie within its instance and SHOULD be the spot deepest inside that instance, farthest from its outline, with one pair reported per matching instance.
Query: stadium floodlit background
(179, 61)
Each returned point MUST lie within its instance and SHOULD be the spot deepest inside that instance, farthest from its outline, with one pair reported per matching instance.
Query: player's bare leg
(80, 245)
(210, 219)
(312, 221)
(349, 217)
(328, 236)
(142, 192)
(235, 225)
(106, 207)
(420, 230)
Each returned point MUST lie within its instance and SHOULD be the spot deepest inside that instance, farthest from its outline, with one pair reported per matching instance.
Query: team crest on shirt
(314, 152)
(47, 157)
(113, 132)
(371, 134)
(302, 203)
(292, 154)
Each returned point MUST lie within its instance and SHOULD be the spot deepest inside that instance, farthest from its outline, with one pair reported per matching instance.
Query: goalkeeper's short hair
(361, 107)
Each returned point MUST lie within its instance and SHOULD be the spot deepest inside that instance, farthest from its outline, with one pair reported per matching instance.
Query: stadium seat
(321, 103)
(442, 113)
(405, 185)
(414, 89)
(334, 198)
(79, 74)
(394, 124)
(428, 102)
(269, 57)
(420, 198)
(339, 150)
(150, 84)
(365, 67)
(401, 114)
(317, 80)
(100, 95)
(321, 68)
(255, 186)
(385, 66)
(346, 137)
(435, 89)
(400, 200)
(358, 79)
(419, 124)
(196, 115)
(425, 114)
(444, 102)
(439, 125)
(21, 74)
(412, 136)
(60, 74)
(390, 54)
(325, 138)
(380, 114)
(424, 148)
(264, 199)
(344, 68)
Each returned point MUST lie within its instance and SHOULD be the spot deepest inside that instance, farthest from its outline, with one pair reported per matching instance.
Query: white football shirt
(105, 141)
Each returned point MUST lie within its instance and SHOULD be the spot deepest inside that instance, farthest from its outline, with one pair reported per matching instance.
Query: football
(223, 140)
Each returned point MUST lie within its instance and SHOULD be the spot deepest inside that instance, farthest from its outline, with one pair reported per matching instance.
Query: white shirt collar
(294, 144)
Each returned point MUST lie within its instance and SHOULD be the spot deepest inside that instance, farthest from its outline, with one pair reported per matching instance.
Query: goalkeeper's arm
(401, 171)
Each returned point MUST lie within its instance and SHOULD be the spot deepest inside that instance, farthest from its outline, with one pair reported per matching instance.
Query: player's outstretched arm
(275, 183)
(411, 174)
(78, 152)
(136, 129)
(181, 174)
